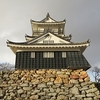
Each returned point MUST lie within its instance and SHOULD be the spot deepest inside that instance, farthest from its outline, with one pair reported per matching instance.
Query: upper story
(48, 23)
(48, 35)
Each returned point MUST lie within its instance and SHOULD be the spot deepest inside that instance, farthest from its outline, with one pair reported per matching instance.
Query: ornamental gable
(48, 38)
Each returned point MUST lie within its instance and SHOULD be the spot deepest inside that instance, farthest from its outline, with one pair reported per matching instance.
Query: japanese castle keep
(49, 48)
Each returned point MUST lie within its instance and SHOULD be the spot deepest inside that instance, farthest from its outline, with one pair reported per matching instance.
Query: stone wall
(64, 84)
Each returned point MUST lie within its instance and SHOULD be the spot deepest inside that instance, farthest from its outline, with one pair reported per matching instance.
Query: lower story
(51, 60)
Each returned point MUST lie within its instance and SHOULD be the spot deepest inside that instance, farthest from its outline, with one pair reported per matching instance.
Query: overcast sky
(82, 21)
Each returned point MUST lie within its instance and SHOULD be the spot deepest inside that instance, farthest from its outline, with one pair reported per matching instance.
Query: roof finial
(64, 20)
(88, 41)
(70, 35)
(48, 15)
(7, 41)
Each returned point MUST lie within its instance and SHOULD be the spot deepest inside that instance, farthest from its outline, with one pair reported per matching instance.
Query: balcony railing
(44, 31)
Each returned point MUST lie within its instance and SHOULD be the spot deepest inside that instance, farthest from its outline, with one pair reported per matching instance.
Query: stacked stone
(52, 84)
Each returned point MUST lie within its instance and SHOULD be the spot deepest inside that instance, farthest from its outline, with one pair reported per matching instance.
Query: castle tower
(49, 48)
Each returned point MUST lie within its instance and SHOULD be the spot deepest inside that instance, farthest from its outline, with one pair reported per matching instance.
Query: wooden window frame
(48, 54)
(32, 54)
(63, 54)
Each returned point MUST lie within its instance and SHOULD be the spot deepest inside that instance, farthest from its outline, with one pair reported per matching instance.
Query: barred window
(48, 54)
(46, 41)
(45, 54)
(63, 54)
(32, 54)
(51, 54)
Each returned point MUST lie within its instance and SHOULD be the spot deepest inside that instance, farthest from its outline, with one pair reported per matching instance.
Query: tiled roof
(48, 19)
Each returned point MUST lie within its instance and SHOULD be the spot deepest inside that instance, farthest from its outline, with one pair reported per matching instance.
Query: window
(32, 54)
(48, 54)
(55, 30)
(51, 54)
(47, 42)
(41, 30)
(45, 54)
(63, 54)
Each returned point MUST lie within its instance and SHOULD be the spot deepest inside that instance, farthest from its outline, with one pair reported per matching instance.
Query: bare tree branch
(96, 74)
(6, 66)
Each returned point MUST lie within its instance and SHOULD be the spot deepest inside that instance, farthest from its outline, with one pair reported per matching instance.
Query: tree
(96, 74)
(6, 66)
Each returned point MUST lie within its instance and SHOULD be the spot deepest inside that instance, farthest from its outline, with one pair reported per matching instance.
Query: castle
(49, 48)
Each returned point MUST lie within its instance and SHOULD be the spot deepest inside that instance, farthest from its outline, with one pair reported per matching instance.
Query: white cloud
(4, 34)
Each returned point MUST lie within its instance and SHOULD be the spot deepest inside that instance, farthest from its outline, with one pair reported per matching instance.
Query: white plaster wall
(54, 38)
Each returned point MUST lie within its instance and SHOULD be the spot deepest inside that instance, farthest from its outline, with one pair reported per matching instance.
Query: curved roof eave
(46, 45)
(38, 22)
(48, 20)
(40, 47)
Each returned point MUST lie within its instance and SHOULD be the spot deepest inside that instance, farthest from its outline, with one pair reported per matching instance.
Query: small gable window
(48, 41)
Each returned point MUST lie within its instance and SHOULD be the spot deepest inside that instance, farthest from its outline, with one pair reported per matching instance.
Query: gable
(48, 20)
(49, 38)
